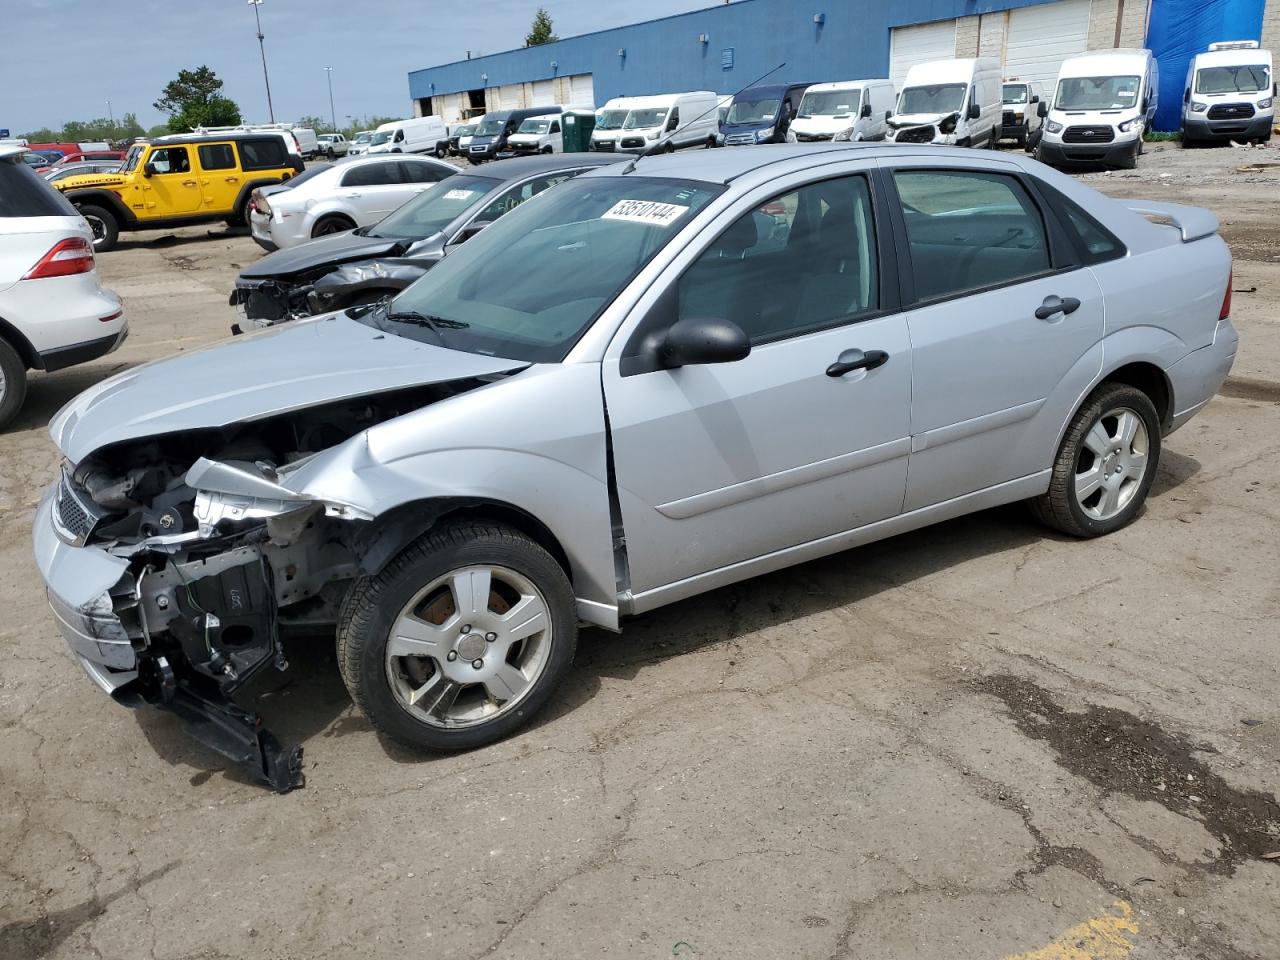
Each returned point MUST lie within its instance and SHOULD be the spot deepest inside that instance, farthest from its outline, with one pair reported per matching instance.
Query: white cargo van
(308, 142)
(1102, 105)
(416, 135)
(1021, 121)
(844, 110)
(950, 101)
(536, 135)
(679, 119)
(1230, 94)
(609, 121)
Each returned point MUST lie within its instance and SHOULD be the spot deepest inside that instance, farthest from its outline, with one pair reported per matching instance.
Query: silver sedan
(653, 380)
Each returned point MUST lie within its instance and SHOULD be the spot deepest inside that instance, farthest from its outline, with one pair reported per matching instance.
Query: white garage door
(582, 91)
(920, 44)
(544, 93)
(1040, 38)
(511, 96)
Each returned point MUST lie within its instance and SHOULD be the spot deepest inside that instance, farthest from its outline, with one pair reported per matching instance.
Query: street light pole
(262, 47)
(328, 72)
(111, 113)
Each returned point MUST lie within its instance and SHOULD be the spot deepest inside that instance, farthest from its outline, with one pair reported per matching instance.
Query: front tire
(13, 383)
(461, 640)
(441, 151)
(1105, 465)
(106, 231)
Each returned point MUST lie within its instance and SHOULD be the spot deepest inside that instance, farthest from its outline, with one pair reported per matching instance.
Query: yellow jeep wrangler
(180, 180)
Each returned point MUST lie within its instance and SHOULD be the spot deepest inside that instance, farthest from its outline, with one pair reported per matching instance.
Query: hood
(109, 180)
(291, 367)
(750, 126)
(824, 124)
(335, 248)
(918, 119)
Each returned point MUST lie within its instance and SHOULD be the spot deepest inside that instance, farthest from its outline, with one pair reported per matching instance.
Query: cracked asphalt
(978, 740)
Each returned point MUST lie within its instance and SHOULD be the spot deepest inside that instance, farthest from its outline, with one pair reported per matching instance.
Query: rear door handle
(1054, 304)
(353, 195)
(189, 183)
(857, 360)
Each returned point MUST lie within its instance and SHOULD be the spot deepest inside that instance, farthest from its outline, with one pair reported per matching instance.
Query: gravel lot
(975, 741)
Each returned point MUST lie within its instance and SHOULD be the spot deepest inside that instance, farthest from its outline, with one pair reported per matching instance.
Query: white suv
(54, 312)
(334, 199)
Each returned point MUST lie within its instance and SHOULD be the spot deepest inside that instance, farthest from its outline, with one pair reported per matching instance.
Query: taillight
(67, 258)
(1226, 297)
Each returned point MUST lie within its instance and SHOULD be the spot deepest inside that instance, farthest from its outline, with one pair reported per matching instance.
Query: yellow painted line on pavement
(1104, 937)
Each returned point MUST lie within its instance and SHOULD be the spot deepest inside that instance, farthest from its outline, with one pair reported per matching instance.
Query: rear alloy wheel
(461, 639)
(13, 383)
(104, 226)
(1105, 465)
(441, 152)
(327, 225)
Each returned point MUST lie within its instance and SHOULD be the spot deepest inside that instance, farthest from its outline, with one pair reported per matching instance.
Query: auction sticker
(645, 211)
(459, 194)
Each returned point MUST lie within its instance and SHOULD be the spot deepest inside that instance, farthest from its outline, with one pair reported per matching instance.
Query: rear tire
(331, 224)
(1105, 465)
(13, 383)
(441, 151)
(106, 230)
(433, 695)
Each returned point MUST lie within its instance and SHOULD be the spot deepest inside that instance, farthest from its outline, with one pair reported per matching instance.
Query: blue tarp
(1179, 29)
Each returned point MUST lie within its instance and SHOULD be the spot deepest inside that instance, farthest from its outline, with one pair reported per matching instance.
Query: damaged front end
(939, 129)
(176, 564)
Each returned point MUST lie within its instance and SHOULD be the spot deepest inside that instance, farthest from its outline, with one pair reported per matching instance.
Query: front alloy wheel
(461, 639)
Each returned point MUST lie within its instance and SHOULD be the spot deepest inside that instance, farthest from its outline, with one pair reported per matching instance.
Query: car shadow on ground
(150, 240)
(311, 700)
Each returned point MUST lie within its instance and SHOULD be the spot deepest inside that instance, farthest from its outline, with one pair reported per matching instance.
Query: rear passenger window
(969, 230)
(217, 156)
(802, 261)
(372, 174)
(265, 154)
(413, 172)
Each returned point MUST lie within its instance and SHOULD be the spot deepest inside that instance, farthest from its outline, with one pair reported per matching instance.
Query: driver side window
(802, 261)
(170, 160)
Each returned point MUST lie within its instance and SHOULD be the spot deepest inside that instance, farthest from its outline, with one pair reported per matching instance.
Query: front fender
(383, 274)
(534, 441)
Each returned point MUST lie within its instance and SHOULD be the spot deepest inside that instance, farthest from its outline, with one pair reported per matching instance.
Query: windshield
(537, 125)
(753, 111)
(829, 103)
(611, 119)
(382, 136)
(934, 98)
(639, 119)
(434, 209)
(527, 286)
(490, 127)
(1015, 93)
(1245, 78)
(363, 137)
(131, 159)
(1096, 93)
(466, 130)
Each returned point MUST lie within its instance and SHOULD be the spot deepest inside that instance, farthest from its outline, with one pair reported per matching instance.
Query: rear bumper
(1200, 374)
(77, 353)
(1058, 154)
(1250, 128)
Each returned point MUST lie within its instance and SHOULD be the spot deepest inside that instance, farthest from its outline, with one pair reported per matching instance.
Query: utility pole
(328, 72)
(111, 113)
(263, 49)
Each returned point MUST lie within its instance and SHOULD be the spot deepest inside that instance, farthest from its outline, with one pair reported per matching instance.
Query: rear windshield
(24, 194)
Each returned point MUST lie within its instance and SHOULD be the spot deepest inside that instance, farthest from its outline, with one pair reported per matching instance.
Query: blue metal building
(724, 47)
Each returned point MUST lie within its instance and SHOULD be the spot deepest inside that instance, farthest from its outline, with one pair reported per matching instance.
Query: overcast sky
(62, 60)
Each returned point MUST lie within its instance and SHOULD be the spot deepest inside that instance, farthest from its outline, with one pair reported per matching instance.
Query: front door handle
(857, 360)
(352, 196)
(189, 183)
(1054, 304)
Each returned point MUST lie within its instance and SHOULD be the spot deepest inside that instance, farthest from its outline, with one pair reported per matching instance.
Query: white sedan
(339, 197)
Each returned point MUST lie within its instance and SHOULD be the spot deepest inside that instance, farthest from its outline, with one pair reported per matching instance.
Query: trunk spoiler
(1194, 223)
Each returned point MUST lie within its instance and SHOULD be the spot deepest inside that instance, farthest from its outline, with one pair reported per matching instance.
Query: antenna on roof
(661, 141)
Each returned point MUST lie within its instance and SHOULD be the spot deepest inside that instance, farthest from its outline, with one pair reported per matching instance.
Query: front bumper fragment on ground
(87, 586)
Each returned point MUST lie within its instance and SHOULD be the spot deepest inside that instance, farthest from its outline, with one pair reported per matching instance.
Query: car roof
(179, 139)
(517, 168)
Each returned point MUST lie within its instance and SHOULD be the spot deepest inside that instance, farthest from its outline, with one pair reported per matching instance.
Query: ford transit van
(950, 102)
(1230, 95)
(1101, 107)
(844, 110)
(762, 114)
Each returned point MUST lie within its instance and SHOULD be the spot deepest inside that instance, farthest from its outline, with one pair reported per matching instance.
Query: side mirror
(703, 340)
(1186, 96)
(149, 169)
(865, 111)
(974, 112)
(1042, 110)
(1035, 98)
(469, 231)
(887, 115)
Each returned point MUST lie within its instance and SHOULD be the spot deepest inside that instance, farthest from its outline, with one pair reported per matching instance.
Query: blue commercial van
(761, 114)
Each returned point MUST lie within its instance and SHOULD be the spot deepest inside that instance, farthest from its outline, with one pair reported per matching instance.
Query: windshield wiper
(425, 320)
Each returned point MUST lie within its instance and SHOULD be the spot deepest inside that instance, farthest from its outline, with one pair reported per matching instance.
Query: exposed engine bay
(323, 289)
(916, 132)
(223, 559)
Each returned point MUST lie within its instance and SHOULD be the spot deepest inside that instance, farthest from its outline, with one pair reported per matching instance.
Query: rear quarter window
(24, 194)
(267, 153)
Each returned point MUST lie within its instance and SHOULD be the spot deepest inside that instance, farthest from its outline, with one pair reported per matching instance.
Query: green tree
(159, 130)
(541, 31)
(194, 100)
(318, 124)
